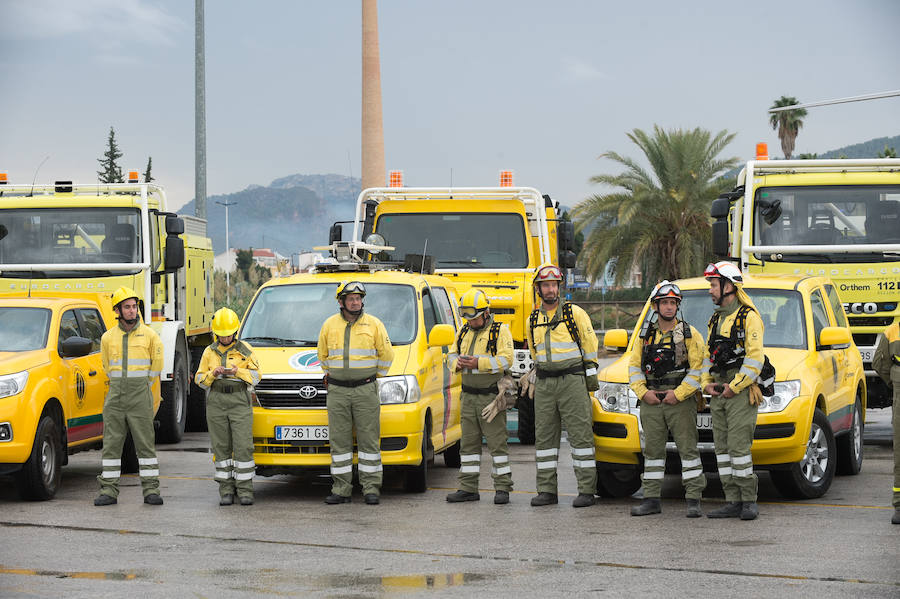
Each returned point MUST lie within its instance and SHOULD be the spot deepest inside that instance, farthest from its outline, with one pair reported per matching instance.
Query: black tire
(850, 444)
(452, 458)
(129, 456)
(416, 480)
(812, 476)
(618, 483)
(525, 407)
(196, 409)
(39, 478)
(172, 414)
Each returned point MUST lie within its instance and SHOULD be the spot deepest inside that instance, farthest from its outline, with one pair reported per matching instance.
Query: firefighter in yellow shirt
(732, 364)
(664, 373)
(354, 350)
(132, 355)
(564, 348)
(483, 352)
(886, 363)
(228, 370)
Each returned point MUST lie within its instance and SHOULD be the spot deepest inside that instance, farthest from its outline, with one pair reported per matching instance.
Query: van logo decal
(306, 361)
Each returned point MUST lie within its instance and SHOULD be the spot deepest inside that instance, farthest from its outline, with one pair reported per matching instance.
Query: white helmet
(724, 270)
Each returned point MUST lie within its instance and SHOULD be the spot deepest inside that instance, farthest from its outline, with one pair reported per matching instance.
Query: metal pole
(227, 253)
(200, 114)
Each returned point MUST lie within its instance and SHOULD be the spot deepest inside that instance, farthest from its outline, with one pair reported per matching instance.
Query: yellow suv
(811, 428)
(420, 397)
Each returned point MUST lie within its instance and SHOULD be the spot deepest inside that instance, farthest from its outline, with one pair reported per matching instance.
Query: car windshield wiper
(459, 262)
(274, 340)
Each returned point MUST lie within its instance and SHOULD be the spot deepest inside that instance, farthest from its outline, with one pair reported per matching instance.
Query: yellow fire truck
(834, 218)
(80, 243)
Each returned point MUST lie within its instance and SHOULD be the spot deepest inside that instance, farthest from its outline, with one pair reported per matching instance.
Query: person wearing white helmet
(732, 364)
(563, 345)
(132, 355)
(664, 373)
(228, 370)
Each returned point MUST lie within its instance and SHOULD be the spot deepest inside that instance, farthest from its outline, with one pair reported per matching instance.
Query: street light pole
(227, 253)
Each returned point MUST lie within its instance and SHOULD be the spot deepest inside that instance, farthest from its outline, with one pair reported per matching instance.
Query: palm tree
(657, 219)
(787, 122)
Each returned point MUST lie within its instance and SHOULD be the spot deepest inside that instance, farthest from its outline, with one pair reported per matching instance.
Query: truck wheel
(416, 480)
(39, 479)
(525, 407)
(451, 456)
(619, 483)
(812, 476)
(129, 456)
(196, 409)
(172, 413)
(850, 444)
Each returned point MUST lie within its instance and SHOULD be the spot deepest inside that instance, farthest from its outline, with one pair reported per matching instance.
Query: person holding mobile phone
(227, 371)
(664, 373)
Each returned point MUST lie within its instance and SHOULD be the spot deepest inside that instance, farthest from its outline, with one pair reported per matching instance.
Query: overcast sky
(475, 86)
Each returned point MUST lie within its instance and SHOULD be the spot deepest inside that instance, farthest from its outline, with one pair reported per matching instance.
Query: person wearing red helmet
(664, 372)
(732, 364)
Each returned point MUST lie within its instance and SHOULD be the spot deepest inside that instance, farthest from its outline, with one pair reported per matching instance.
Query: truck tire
(850, 444)
(525, 407)
(812, 476)
(172, 414)
(196, 409)
(619, 483)
(452, 458)
(39, 479)
(130, 463)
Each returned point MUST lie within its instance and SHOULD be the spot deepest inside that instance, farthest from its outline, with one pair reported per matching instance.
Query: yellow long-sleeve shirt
(753, 347)
(551, 346)
(239, 354)
(131, 354)
(883, 361)
(355, 350)
(690, 384)
(490, 367)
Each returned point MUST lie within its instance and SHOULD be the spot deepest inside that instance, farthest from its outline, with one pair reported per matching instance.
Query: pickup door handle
(92, 373)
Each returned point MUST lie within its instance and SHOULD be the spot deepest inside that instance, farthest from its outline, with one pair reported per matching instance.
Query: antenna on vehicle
(424, 251)
(33, 179)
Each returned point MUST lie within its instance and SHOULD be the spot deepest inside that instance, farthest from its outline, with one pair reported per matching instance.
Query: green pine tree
(110, 171)
(147, 176)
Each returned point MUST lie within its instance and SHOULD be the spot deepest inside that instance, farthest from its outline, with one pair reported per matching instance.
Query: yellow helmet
(348, 287)
(473, 303)
(225, 322)
(123, 293)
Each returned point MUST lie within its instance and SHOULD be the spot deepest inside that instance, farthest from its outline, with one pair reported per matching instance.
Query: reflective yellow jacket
(490, 368)
(888, 350)
(354, 351)
(555, 349)
(239, 354)
(132, 354)
(689, 385)
(753, 348)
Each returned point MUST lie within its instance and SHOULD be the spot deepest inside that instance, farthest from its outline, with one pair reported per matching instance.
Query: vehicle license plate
(704, 421)
(867, 354)
(301, 433)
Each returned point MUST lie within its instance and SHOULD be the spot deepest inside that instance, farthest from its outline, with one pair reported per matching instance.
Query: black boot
(226, 499)
(153, 499)
(895, 519)
(460, 496)
(729, 510)
(583, 500)
(648, 506)
(544, 499)
(693, 508)
(335, 499)
(501, 497)
(749, 511)
(105, 500)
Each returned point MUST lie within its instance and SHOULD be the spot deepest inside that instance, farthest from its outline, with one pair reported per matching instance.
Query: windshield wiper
(459, 262)
(276, 340)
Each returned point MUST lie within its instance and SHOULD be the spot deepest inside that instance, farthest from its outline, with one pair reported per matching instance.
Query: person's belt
(357, 383)
(549, 374)
(492, 390)
(222, 387)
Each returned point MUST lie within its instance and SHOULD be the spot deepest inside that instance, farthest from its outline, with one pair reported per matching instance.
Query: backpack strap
(569, 319)
(493, 336)
(462, 333)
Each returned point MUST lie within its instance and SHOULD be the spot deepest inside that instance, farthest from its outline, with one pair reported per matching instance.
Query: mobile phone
(719, 387)
(660, 395)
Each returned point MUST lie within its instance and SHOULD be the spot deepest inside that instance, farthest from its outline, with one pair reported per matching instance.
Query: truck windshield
(68, 236)
(283, 315)
(829, 215)
(23, 329)
(780, 310)
(464, 240)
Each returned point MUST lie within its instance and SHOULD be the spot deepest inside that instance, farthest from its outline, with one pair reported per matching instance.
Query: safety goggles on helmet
(350, 287)
(473, 304)
(664, 290)
(724, 270)
(547, 272)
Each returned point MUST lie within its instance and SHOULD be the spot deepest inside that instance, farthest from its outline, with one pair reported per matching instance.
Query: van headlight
(616, 397)
(398, 389)
(13, 384)
(785, 393)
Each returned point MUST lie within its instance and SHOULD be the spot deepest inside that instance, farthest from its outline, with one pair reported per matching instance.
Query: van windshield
(457, 241)
(292, 315)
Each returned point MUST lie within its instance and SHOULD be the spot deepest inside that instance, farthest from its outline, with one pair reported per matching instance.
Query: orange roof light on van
(395, 179)
(506, 178)
(2, 178)
(762, 151)
(132, 176)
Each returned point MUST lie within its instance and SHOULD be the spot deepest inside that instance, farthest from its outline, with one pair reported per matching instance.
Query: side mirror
(334, 233)
(567, 259)
(75, 347)
(440, 335)
(174, 258)
(720, 208)
(174, 225)
(615, 340)
(565, 235)
(720, 239)
(834, 338)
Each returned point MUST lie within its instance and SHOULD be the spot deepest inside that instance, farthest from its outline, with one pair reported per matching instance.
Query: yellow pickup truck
(52, 387)
(811, 428)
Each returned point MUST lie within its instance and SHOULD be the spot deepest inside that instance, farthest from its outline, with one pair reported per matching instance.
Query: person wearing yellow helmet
(732, 363)
(483, 352)
(664, 372)
(565, 359)
(228, 371)
(354, 349)
(132, 356)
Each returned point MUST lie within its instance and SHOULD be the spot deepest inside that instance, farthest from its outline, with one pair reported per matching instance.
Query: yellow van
(420, 397)
(811, 428)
